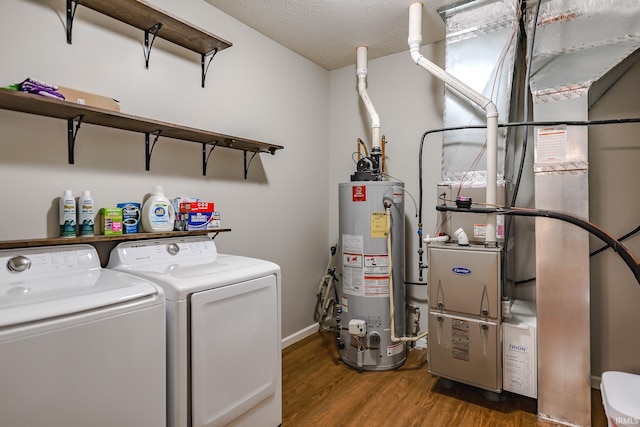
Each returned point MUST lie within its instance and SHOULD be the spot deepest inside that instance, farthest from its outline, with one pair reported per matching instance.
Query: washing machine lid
(182, 266)
(47, 282)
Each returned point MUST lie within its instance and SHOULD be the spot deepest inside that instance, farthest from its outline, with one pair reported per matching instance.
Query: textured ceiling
(328, 32)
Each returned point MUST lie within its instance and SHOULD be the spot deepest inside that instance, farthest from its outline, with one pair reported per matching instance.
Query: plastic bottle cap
(67, 192)
(86, 193)
(157, 189)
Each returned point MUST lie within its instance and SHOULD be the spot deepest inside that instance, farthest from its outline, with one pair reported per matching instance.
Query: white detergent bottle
(85, 214)
(67, 214)
(157, 212)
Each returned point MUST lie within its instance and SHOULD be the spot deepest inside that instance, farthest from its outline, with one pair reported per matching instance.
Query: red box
(196, 216)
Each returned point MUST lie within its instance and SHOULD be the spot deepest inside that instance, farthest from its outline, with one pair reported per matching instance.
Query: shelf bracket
(71, 13)
(149, 149)
(147, 46)
(71, 135)
(246, 165)
(205, 68)
(205, 156)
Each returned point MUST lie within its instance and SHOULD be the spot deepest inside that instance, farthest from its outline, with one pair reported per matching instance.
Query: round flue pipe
(415, 40)
(361, 72)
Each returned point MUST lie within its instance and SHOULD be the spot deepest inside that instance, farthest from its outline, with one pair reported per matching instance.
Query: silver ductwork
(481, 47)
(580, 49)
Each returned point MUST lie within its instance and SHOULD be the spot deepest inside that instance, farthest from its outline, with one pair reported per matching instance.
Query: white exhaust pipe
(415, 40)
(361, 71)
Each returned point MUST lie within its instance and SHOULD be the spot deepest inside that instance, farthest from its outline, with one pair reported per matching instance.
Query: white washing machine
(79, 345)
(223, 330)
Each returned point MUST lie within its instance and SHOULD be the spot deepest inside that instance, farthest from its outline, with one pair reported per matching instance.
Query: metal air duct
(580, 49)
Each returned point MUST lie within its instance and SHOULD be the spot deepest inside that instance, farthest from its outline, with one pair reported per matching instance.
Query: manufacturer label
(359, 193)
(461, 271)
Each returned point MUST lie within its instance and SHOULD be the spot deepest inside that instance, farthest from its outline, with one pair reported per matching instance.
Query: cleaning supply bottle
(157, 212)
(85, 214)
(67, 215)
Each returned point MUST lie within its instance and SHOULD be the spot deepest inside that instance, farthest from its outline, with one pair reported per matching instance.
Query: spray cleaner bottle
(157, 212)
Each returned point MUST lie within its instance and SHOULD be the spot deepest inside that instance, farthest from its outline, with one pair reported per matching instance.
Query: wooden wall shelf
(76, 114)
(12, 244)
(156, 22)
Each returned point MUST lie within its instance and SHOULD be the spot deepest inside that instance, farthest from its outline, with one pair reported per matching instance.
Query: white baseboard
(595, 382)
(300, 335)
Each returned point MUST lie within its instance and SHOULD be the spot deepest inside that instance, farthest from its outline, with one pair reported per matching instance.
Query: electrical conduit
(415, 40)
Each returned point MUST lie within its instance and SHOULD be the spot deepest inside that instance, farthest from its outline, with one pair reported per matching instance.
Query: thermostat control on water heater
(357, 327)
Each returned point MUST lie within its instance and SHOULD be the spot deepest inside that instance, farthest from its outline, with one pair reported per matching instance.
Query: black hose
(618, 247)
(507, 125)
(621, 239)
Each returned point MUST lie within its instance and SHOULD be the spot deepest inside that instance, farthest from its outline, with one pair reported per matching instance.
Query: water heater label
(359, 193)
(398, 348)
(352, 281)
(376, 286)
(352, 260)
(376, 264)
(352, 243)
(379, 225)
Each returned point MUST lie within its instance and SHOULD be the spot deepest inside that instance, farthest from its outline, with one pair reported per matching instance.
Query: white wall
(614, 185)
(409, 102)
(256, 89)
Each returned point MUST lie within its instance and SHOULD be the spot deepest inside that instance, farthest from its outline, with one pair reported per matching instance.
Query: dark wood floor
(320, 390)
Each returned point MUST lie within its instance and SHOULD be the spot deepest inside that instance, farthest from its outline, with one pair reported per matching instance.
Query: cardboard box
(197, 216)
(110, 221)
(89, 99)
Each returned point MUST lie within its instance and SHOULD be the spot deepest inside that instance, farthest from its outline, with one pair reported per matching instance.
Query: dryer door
(235, 350)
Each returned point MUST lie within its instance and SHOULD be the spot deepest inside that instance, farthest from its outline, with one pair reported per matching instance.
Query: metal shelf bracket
(205, 68)
(71, 13)
(148, 149)
(205, 156)
(247, 164)
(147, 46)
(71, 135)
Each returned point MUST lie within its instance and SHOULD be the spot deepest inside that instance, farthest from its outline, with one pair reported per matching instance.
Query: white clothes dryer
(223, 330)
(79, 345)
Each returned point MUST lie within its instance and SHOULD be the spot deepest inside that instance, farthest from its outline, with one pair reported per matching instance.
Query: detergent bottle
(157, 212)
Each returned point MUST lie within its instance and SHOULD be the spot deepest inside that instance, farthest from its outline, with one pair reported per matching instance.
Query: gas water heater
(371, 227)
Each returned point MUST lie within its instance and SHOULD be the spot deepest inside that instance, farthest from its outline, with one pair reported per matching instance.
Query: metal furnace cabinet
(464, 298)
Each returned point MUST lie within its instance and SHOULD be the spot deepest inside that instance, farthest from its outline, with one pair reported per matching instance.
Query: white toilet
(621, 398)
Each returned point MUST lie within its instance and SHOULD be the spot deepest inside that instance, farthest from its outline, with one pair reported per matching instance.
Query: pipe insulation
(415, 40)
(361, 72)
(392, 315)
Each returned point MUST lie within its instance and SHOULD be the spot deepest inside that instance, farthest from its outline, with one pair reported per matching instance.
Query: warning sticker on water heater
(376, 264)
(376, 286)
(394, 349)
